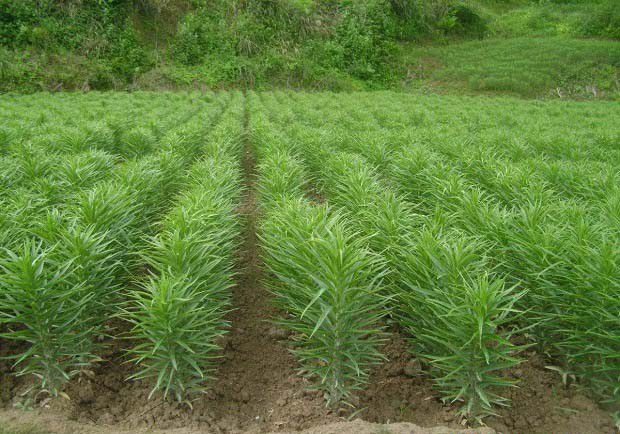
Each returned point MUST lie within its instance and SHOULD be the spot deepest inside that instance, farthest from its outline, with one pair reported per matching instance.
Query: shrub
(178, 312)
(201, 36)
(603, 20)
(467, 22)
(128, 58)
(363, 36)
(15, 19)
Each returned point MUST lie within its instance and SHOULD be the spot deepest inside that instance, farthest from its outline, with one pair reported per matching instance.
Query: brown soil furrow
(258, 386)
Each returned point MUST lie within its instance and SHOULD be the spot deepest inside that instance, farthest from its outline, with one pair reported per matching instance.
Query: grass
(554, 67)
(23, 430)
(458, 325)
(323, 276)
(577, 19)
(63, 266)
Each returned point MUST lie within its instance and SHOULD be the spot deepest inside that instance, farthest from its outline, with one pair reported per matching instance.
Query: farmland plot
(277, 260)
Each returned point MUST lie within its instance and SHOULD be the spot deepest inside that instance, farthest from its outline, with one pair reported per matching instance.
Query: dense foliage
(103, 44)
(178, 312)
(325, 279)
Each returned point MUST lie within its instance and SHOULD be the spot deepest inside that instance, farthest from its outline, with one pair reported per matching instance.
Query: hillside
(554, 49)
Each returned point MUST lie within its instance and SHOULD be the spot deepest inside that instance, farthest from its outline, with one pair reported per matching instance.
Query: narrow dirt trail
(258, 387)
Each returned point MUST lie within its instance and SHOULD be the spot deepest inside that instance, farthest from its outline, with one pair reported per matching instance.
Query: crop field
(272, 261)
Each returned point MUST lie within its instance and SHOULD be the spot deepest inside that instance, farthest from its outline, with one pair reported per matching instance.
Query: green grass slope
(528, 67)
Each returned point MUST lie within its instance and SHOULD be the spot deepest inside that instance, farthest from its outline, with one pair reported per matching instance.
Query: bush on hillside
(415, 18)
(363, 38)
(353, 37)
(127, 57)
(604, 20)
(200, 35)
(467, 22)
(15, 18)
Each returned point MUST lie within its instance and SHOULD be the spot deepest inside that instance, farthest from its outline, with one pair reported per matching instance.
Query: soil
(258, 390)
(256, 398)
(57, 425)
(401, 391)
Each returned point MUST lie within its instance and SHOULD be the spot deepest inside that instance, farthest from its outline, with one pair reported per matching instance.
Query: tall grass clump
(571, 270)
(458, 312)
(91, 244)
(541, 205)
(589, 311)
(322, 276)
(9, 166)
(458, 318)
(560, 252)
(282, 177)
(376, 210)
(84, 169)
(90, 247)
(83, 248)
(43, 310)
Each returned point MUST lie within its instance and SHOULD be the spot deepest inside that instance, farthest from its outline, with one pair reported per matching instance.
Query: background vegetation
(514, 46)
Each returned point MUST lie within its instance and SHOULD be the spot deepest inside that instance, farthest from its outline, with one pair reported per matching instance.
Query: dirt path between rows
(258, 388)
